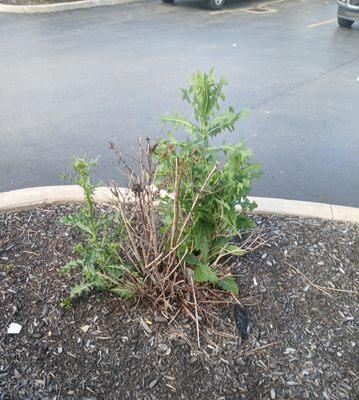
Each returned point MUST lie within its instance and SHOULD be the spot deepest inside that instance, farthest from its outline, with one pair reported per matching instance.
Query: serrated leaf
(229, 284)
(83, 227)
(204, 273)
(244, 222)
(68, 267)
(192, 259)
(124, 292)
(80, 289)
(115, 270)
(175, 120)
(201, 241)
(78, 248)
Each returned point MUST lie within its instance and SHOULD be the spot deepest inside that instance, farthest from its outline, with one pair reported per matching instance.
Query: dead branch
(323, 289)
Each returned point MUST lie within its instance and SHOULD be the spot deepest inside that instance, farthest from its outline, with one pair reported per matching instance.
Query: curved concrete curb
(74, 5)
(24, 199)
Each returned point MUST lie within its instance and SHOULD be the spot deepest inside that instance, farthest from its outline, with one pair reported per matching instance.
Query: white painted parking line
(260, 8)
(236, 10)
(328, 21)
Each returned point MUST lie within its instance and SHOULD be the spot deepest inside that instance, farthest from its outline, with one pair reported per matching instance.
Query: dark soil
(303, 343)
(34, 2)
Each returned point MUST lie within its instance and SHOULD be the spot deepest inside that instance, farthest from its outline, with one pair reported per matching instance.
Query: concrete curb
(74, 5)
(24, 199)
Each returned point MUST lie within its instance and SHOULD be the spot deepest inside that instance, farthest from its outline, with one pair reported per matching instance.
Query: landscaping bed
(303, 343)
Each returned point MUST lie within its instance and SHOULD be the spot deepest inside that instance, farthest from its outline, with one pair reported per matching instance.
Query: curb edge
(29, 198)
(48, 8)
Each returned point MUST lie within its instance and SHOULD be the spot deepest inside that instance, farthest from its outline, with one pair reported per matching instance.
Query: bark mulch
(303, 342)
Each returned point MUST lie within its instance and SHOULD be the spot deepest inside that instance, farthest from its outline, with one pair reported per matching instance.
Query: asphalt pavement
(72, 81)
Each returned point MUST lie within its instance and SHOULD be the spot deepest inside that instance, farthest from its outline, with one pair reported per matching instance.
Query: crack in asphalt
(303, 84)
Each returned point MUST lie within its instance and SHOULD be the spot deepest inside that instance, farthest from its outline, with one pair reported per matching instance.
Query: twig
(196, 312)
(319, 287)
(174, 317)
(178, 264)
(175, 205)
(259, 348)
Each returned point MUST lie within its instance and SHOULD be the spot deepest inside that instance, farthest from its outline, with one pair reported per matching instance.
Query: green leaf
(192, 259)
(79, 248)
(244, 222)
(125, 292)
(223, 122)
(218, 245)
(115, 270)
(180, 121)
(235, 250)
(80, 289)
(84, 227)
(204, 273)
(229, 284)
(66, 303)
(68, 267)
(201, 241)
(77, 221)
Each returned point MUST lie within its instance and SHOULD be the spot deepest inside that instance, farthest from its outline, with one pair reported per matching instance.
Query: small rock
(153, 383)
(341, 314)
(14, 328)
(272, 394)
(85, 328)
(289, 350)
(160, 319)
(164, 349)
(39, 382)
(326, 395)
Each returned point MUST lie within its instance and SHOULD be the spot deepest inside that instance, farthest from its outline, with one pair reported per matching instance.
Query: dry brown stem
(323, 289)
(164, 278)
